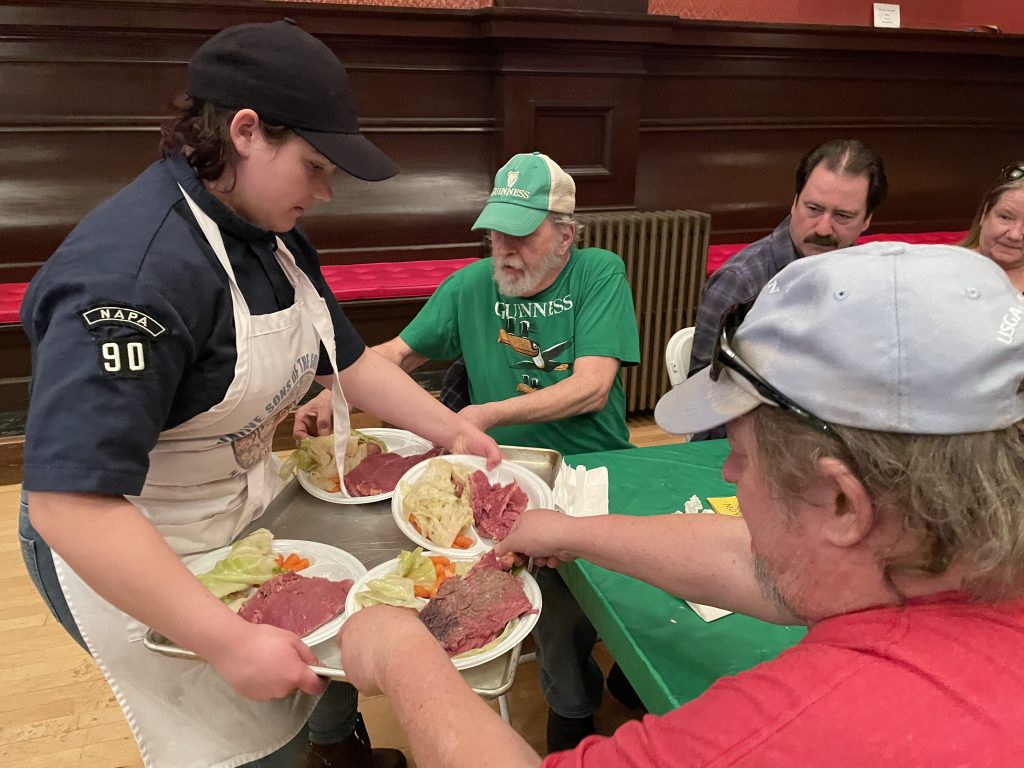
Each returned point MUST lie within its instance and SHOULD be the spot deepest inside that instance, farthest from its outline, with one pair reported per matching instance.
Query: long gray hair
(962, 496)
(563, 221)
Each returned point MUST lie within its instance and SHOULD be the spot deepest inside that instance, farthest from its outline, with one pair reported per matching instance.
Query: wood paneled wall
(933, 14)
(647, 112)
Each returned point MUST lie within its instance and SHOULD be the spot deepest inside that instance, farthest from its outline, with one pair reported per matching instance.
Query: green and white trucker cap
(526, 189)
(893, 337)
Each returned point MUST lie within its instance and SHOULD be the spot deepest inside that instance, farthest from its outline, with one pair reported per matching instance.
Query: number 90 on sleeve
(128, 357)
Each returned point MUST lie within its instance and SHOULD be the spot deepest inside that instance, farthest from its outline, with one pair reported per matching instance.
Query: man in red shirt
(874, 399)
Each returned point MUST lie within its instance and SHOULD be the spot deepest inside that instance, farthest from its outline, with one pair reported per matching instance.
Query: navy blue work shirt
(103, 391)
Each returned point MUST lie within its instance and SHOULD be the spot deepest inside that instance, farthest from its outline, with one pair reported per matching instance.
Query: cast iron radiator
(666, 256)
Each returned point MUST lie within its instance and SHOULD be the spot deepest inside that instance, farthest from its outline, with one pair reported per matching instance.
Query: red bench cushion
(719, 254)
(389, 279)
(379, 280)
(10, 301)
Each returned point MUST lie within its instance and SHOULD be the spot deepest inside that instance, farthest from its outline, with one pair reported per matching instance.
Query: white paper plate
(325, 561)
(523, 625)
(397, 440)
(538, 494)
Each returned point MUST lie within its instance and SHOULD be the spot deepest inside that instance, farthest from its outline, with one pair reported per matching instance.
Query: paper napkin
(693, 506)
(581, 492)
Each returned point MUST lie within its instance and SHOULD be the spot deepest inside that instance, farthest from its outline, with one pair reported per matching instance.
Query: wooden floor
(56, 710)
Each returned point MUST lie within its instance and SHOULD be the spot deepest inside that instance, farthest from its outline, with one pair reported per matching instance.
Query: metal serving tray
(368, 532)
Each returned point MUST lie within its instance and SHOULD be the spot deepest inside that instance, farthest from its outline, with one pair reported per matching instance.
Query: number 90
(134, 353)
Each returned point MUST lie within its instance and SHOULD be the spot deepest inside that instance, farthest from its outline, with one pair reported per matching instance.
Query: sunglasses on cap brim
(725, 356)
(1012, 172)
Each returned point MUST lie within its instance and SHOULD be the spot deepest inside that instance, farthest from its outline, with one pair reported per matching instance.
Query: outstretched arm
(704, 558)
(378, 386)
(448, 725)
(401, 354)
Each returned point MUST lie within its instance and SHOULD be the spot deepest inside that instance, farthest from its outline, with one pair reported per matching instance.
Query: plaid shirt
(739, 280)
(455, 386)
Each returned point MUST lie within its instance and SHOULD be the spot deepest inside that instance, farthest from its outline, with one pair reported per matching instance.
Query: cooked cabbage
(398, 587)
(249, 563)
(438, 500)
(315, 456)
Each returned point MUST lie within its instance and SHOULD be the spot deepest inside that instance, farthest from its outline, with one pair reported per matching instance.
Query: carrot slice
(294, 562)
(437, 583)
(462, 542)
(421, 591)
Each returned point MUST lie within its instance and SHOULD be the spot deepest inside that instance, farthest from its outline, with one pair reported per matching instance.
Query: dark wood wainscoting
(648, 112)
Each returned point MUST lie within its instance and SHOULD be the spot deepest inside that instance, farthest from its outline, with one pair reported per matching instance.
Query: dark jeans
(570, 678)
(333, 719)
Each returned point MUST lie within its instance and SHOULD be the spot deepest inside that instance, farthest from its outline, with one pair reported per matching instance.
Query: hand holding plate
(263, 662)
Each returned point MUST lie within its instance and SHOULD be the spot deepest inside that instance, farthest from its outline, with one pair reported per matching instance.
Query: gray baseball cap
(892, 337)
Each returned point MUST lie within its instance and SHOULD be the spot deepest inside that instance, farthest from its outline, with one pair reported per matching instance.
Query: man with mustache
(839, 184)
(543, 327)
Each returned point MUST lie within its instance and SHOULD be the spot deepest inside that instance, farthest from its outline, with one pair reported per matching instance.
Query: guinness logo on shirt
(123, 316)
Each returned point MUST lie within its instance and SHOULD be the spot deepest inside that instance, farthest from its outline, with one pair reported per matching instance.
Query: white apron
(208, 479)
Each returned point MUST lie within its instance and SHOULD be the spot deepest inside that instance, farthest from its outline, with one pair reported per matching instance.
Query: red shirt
(939, 682)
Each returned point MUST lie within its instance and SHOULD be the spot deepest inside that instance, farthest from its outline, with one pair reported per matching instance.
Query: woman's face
(1002, 230)
(275, 183)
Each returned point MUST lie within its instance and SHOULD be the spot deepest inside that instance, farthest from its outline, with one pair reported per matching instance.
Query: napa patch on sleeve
(100, 317)
(123, 336)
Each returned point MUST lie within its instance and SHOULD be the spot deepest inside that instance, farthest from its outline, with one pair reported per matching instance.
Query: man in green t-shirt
(543, 327)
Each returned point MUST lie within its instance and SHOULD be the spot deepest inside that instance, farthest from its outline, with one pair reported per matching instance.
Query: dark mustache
(825, 241)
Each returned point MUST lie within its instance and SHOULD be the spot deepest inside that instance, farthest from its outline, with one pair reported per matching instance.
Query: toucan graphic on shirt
(537, 359)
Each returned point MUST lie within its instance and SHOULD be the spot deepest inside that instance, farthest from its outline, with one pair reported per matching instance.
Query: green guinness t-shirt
(516, 345)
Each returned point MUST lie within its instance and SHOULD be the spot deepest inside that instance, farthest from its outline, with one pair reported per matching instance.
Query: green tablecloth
(668, 652)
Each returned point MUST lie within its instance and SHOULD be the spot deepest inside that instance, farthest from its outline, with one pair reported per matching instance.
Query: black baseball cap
(288, 78)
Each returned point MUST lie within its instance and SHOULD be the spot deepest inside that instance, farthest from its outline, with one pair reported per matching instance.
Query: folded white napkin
(582, 492)
(708, 612)
(693, 506)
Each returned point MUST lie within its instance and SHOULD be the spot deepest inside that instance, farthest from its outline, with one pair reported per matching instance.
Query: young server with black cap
(171, 332)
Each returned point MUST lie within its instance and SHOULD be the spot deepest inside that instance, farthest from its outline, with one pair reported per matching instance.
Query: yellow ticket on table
(725, 505)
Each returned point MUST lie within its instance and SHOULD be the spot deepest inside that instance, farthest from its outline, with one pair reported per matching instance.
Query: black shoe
(567, 732)
(353, 751)
(620, 687)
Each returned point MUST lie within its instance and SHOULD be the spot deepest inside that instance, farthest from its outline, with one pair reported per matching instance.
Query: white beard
(527, 283)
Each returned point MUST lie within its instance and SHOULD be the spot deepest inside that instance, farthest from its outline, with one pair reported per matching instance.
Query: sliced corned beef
(495, 507)
(380, 472)
(471, 611)
(297, 603)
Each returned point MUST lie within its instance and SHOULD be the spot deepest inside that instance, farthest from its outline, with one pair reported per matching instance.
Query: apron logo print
(123, 316)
